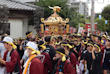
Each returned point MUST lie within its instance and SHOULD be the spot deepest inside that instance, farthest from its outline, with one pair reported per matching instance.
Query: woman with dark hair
(76, 48)
(54, 41)
(19, 47)
(82, 56)
(106, 57)
(50, 49)
(47, 61)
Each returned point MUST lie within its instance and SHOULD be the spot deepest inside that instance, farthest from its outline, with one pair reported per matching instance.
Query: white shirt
(28, 66)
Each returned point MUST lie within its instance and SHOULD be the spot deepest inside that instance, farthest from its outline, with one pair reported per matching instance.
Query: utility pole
(92, 17)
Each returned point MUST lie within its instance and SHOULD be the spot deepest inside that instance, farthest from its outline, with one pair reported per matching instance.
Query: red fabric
(73, 60)
(80, 53)
(47, 63)
(36, 67)
(80, 50)
(102, 50)
(101, 45)
(13, 61)
(68, 68)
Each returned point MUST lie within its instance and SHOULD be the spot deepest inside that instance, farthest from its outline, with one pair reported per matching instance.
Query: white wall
(18, 28)
(31, 28)
(15, 28)
(25, 27)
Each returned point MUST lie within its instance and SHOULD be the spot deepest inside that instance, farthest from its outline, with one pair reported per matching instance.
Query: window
(4, 28)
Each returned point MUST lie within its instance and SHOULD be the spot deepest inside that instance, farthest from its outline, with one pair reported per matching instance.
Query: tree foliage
(106, 14)
(97, 15)
(66, 12)
(47, 12)
(101, 24)
(82, 21)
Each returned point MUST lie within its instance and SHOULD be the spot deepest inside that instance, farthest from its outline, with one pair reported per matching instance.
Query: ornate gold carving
(42, 20)
(67, 20)
(55, 8)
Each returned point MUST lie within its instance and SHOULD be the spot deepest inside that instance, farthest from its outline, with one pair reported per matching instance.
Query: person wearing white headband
(33, 65)
(11, 59)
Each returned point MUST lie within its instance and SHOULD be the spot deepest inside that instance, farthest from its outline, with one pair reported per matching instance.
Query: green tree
(106, 12)
(66, 12)
(82, 21)
(97, 15)
(101, 24)
(82, 25)
(47, 12)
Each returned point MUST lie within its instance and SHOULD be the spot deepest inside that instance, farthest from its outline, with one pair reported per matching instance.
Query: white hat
(7, 39)
(32, 45)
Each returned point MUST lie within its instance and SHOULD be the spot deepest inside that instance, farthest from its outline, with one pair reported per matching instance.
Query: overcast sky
(99, 5)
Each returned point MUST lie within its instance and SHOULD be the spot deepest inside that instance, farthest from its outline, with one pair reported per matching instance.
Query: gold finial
(55, 8)
(67, 20)
(42, 20)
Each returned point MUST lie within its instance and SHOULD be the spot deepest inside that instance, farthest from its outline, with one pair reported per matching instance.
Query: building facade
(70, 1)
(18, 18)
(82, 7)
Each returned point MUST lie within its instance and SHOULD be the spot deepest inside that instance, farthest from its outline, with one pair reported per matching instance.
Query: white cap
(8, 39)
(32, 45)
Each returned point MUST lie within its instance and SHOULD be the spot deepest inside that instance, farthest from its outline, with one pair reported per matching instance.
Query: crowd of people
(73, 54)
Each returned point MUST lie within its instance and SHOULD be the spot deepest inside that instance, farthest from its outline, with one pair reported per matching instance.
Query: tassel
(63, 58)
(14, 46)
(38, 52)
(99, 50)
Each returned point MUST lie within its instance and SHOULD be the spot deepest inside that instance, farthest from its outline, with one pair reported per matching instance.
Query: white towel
(2, 70)
(81, 67)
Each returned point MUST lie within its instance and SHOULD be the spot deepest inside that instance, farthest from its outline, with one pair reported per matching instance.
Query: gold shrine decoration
(67, 20)
(54, 21)
(67, 28)
(42, 28)
(56, 29)
(55, 24)
(42, 20)
(55, 8)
